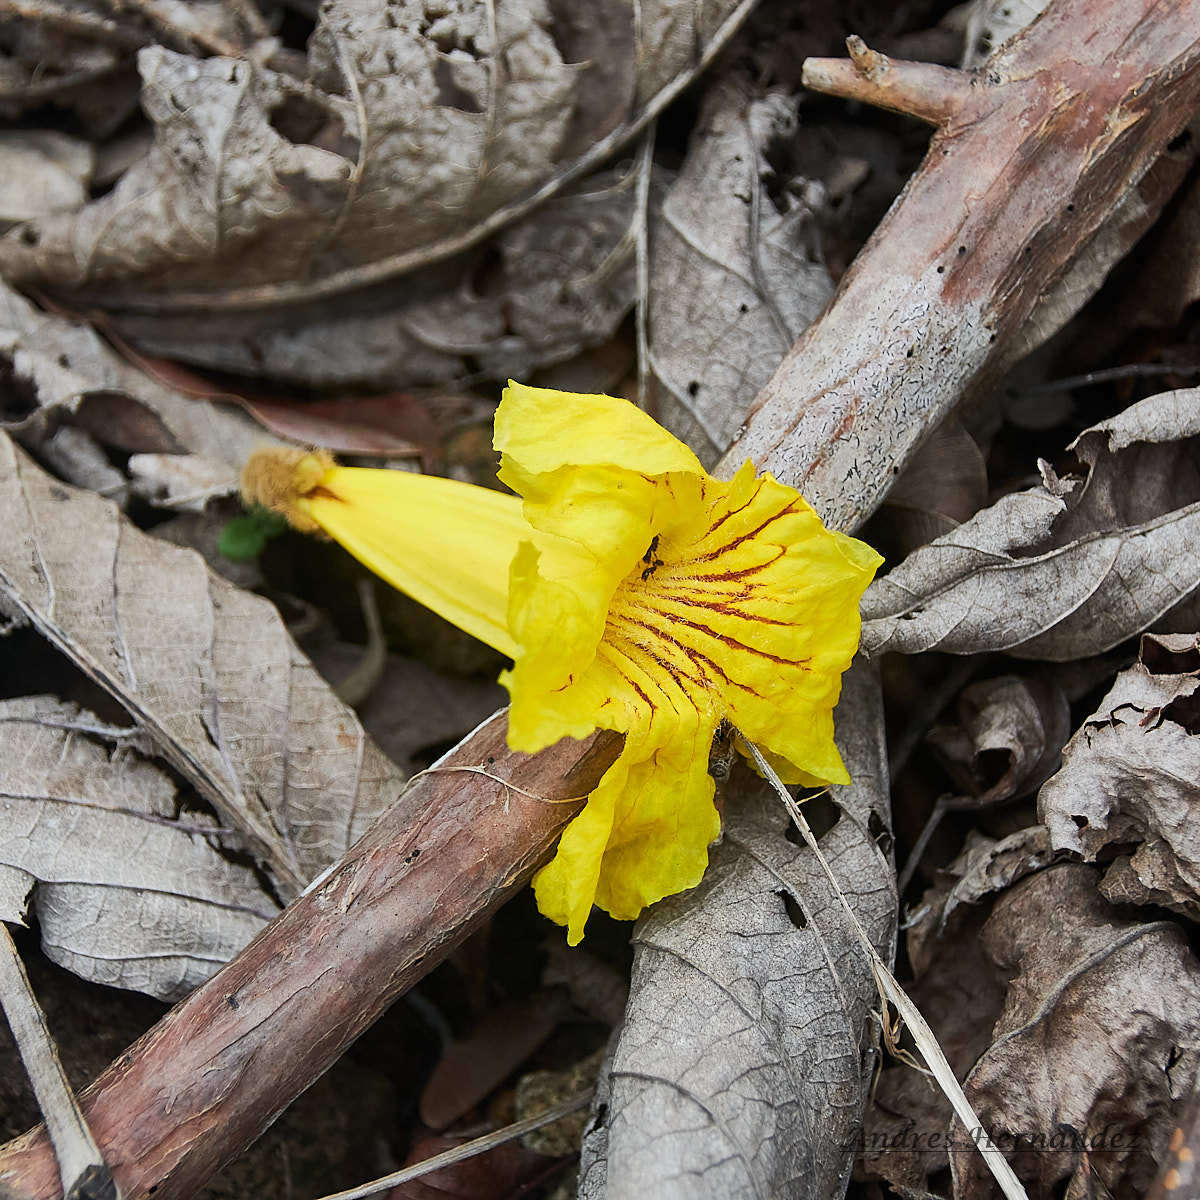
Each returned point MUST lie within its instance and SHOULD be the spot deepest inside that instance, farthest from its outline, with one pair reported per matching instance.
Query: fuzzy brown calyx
(278, 479)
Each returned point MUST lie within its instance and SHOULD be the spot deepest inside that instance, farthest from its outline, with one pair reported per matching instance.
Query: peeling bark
(1032, 156)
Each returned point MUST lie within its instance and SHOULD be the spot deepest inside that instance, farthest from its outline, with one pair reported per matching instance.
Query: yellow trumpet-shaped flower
(634, 592)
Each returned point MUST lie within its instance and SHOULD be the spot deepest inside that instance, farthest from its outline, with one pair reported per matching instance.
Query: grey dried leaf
(734, 278)
(544, 288)
(64, 371)
(984, 867)
(206, 670)
(42, 171)
(1067, 569)
(1130, 779)
(749, 1045)
(128, 890)
(944, 485)
(1022, 721)
(426, 126)
(1099, 1038)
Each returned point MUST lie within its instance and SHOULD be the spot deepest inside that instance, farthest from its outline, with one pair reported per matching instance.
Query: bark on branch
(1032, 158)
(201, 1085)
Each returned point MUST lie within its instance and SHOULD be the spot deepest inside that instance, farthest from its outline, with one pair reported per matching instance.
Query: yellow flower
(633, 592)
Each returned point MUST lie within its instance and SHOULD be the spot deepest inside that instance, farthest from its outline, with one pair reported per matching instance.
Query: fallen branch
(201, 1085)
(987, 251)
(1031, 161)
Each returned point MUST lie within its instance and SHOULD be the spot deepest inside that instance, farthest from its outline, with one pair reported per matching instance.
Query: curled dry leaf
(128, 890)
(42, 171)
(59, 370)
(749, 1045)
(1008, 739)
(985, 867)
(1066, 569)
(1131, 779)
(733, 281)
(206, 670)
(1099, 1037)
(423, 127)
(542, 289)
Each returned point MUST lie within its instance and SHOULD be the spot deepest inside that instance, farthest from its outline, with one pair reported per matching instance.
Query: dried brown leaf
(1099, 1037)
(59, 370)
(425, 127)
(734, 278)
(128, 890)
(985, 867)
(541, 289)
(1008, 738)
(206, 670)
(1067, 569)
(1130, 780)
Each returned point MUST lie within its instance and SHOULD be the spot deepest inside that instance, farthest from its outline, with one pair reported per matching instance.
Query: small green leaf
(246, 537)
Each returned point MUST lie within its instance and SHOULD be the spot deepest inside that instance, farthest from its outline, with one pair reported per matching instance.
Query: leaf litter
(1061, 992)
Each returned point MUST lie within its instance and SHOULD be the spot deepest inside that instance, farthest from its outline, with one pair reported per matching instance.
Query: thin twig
(361, 680)
(80, 1163)
(479, 1145)
(1128, 371)
(645, 167)
(187, 40)
(940, 809)
(890, 990)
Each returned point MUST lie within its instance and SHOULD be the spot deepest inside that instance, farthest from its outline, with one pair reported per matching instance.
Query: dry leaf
(984, 867)
(59, 370)
(206, 670)
(128, 889)
(425, 126)
(42, 171)
(1066, 569)
(733, 280)
(542, 288)
(1131, 780)
(748, 1044)
(1099, 1037)
(1008, 739)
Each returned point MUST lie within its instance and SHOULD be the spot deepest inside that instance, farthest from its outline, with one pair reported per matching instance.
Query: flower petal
(538, 430)
(644, 833)
(447, 544)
